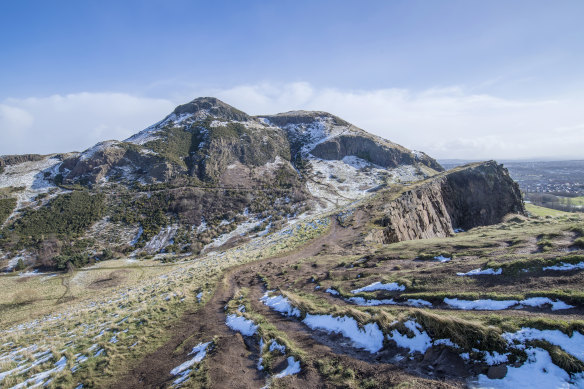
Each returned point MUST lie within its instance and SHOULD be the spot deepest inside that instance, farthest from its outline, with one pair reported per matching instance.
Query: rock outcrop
(7, 160)
(115, 160)
(473, 195)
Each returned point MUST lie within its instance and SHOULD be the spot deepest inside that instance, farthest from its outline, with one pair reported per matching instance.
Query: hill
(205, 175)
(218, 249)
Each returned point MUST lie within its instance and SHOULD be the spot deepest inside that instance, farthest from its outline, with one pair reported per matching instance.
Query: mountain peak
(211, 106)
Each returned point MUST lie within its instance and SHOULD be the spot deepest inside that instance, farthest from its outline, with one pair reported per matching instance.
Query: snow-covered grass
(537, 372)
(31, 177)
(420, 342)
(487, 304)
(479, 272)
(183, 370)
(369, 337)
(120, 311)
(29, 174)
(292, 368)
(240, 230)
(565, 266)
(441, 258)
(573, 345)
(241, 324)
(392, 286)
(497, 305)
(161, 240)
(374, 302)
(281, 304)
(339, 183)
(495, 358)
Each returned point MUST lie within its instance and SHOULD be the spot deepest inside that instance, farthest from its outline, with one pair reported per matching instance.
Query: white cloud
(74, 122)
(14, 119)
(446, 123)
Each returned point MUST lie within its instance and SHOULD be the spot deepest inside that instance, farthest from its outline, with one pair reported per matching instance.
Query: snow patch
(420, 342)
(540, 301)
(494, 358)
(369, 337)
(334, 292)
(565, 266)
(478, 272)
(497, 305)
(199, 351)
(241, 324)
(481, 305)
(537, 372)
(374, 302)
(392, 286)
(292, 368)
(281, 304)
(573, 345)
(161, 240)
(277, 346)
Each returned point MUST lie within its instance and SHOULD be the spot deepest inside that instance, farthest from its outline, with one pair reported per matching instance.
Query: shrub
(579, 243)
(6, 208)
(66, 215)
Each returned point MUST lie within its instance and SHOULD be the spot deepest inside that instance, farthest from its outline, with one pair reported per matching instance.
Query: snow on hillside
(31, 177)
(320, 130)
(101, 146)
(340, 182)
(29, 174)
(151, 133)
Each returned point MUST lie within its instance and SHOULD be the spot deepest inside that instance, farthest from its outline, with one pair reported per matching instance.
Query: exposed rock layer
(471, 196)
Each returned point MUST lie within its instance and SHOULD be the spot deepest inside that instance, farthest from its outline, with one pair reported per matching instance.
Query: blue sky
(460, 79)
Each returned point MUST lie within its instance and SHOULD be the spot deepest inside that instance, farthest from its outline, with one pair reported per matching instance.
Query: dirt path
(233, 365)
(233, 362)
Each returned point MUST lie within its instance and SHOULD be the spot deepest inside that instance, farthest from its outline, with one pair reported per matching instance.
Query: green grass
(577, 201)
(176, 145)
(537, 263)
(543, 212)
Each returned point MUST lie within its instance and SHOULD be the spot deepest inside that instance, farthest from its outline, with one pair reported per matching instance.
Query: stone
(497, 372)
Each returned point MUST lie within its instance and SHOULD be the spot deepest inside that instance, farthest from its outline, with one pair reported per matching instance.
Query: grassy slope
(543, 211)
(147, 298)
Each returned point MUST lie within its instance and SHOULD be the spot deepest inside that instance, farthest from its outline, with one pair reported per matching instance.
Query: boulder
(497, 372)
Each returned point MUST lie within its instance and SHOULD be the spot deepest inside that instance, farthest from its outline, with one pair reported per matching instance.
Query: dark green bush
(66, 215)
(6, 208)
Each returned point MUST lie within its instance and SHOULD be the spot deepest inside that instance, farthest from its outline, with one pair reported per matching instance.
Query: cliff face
(471, 196)
(371, 150)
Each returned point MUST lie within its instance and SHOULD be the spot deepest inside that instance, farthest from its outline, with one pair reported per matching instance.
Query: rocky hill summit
(207, 138)
(209, 175)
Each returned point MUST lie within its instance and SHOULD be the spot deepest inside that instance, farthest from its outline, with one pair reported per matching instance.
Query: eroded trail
(232, 364)
(233, 361)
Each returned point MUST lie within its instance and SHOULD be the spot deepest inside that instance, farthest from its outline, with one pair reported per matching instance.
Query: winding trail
(233, 362)
(233, 365)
